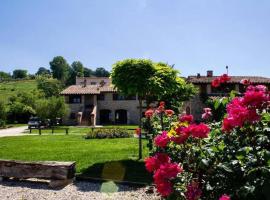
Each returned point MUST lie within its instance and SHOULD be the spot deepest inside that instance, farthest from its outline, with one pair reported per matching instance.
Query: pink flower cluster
(183, 132)
(194, 191)
(161, 109)
(207, 113)
(164, 172)
(222, 79)
(242, 110)
(225, 197)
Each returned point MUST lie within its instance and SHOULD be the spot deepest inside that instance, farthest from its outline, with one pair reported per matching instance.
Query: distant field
(8, 89)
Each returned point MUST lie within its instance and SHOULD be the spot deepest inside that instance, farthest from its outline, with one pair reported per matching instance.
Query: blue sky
(195, 35)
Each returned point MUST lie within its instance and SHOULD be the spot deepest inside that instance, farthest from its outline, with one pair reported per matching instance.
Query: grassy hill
(10, 88)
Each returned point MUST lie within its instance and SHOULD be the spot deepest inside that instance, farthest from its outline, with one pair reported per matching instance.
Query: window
(117, 97)
(75, 99)
(101, 97)
(72, 116)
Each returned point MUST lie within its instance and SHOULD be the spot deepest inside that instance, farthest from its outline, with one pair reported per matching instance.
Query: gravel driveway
(80, 190)
(18, 131)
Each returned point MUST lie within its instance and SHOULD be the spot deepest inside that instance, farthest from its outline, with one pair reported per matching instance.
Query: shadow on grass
(112, 175)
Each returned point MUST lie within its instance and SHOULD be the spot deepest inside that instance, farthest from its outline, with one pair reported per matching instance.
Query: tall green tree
(101, 72)
(4, 75)
(49, 86)
(88, 72)
(43, 71)
(60, 68)
(51, 108)
(167, 85)
(19, 73)
(76, 70)
(132, 77)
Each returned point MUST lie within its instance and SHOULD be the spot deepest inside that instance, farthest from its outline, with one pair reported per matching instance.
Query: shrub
(102, 133)
(227, 160)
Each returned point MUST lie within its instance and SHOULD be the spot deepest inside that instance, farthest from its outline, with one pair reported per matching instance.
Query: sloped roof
(89, 89)
(234, 79)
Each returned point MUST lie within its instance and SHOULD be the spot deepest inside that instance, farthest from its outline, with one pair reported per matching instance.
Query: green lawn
(101, 158)
(10, 88)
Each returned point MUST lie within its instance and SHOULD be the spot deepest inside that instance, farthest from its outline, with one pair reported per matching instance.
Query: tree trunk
(140, 126)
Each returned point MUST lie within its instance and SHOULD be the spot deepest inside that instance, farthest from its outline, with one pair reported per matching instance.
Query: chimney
(198, 75)
(84, 82)
(209, 73)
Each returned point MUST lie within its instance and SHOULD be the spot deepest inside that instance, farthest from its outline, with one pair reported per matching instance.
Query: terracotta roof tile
(89, 89)
(234, 79)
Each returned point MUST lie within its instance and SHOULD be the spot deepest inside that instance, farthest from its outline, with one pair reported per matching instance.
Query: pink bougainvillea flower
(199, 131)
(216, 83)
(149, 113)
(162, 103)
(169, 113)
(224, 78)
(162, 140)
(153, 163)
(186, 118)
(164, 188)
(163, 175)
(227, 125)
(193, 192)
(254, 98)
(225, 197)
(182, 135)
(207, 113)
(245, 82)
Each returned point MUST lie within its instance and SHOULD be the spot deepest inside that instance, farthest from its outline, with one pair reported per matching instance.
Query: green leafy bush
(102, 133)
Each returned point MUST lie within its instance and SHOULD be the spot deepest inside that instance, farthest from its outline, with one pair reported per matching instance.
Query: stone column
(208, 89)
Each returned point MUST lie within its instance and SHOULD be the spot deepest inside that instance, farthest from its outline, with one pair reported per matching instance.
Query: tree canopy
(43, 71)
(50, 87)
(19, 73)
(59, 68)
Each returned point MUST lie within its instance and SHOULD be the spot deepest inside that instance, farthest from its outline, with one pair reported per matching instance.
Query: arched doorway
(121, 116)
(188, 110)
(105, 116)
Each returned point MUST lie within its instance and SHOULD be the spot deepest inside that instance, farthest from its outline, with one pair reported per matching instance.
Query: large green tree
(51, 108)
(60, 68)
(76, 70)
(4, 75)
(167, 85)
(132, 77)
(101, 72)
(87, 72)
(49, 86)
(42, 71)
(19, 73)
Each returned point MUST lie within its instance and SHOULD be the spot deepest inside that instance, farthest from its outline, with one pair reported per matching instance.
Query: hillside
(10, 88)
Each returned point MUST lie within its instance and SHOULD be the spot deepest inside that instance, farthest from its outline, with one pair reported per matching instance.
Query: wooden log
(59, 183)
(45, 170)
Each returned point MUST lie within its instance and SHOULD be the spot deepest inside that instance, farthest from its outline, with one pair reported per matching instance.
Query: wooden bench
(60, 174)
(51, 128)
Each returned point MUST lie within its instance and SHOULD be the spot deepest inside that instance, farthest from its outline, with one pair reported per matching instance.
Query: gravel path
(18, 131)
(80, 190)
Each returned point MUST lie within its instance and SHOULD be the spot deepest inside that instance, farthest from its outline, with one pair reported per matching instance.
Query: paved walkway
(18, 131)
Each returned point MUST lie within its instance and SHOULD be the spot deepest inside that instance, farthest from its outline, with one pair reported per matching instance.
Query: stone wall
(132, 107)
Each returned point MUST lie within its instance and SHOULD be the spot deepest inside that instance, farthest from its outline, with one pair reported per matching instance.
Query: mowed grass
(92, 156)
(7, 89)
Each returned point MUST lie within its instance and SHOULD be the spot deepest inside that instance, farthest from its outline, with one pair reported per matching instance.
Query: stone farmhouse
(196, 104)
(94, 101)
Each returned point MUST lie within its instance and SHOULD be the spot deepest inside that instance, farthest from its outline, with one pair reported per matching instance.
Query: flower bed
(218, 160)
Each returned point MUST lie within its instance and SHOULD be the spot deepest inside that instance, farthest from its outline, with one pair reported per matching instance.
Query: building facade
(94, 101)
(195, 105)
